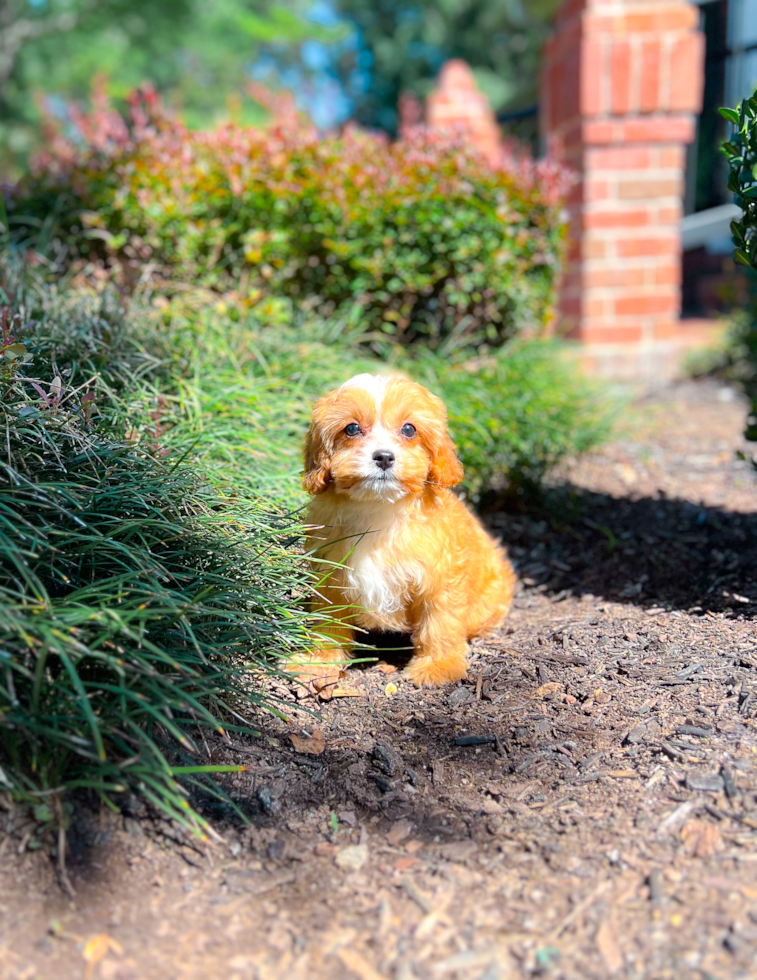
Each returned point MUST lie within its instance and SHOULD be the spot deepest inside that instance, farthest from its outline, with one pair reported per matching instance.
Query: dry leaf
(627, 474)
(551, 688)
(387, 668)
(701, 839)
(321, 680)
(309, 746)
(325, 691)
(98, 948)
(390, 689)
(608, 947)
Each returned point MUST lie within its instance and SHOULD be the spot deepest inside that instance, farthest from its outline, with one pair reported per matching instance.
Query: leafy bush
(248, 395)
(741, 151)
(415, 239)
(135, 597)
(520, 412)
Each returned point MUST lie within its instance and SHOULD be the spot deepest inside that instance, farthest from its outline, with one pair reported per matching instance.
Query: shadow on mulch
(652, 551)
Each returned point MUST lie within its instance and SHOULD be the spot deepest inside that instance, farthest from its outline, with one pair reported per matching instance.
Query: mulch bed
(583, 806)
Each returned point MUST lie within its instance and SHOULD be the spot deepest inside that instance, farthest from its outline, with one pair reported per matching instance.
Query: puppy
(397, 549)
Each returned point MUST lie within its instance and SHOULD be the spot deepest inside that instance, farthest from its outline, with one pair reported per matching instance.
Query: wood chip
(468, 740)
(674, 818)
(399, 832)
(551, 688)
(459, 850)
(608, 947)
(579, 909)
(693, 730)
(701, 838)
(356, 964)
(414, 892)
(705, 782)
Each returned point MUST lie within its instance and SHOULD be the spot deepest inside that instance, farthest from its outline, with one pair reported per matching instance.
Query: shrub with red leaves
(419, 239)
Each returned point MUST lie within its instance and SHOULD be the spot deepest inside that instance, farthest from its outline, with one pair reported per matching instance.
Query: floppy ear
(317, 473)
(446, 469)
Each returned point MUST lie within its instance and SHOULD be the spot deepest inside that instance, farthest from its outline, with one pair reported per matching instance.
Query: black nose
(384, 459)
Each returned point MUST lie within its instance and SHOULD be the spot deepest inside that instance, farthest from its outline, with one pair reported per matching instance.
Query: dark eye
(353, 429)
(408, 430)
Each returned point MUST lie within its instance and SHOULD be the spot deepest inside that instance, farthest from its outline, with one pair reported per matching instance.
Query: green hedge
(741, 151)
(247, 393)
(419, 239)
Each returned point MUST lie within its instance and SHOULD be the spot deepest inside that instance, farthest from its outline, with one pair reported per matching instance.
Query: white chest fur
(376, 572)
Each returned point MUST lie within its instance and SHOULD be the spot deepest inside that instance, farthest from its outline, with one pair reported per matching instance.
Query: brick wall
(456, 103)
(622, 80)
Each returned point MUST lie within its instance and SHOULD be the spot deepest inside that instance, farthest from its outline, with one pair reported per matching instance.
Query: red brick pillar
(457, 104)
(621, 82)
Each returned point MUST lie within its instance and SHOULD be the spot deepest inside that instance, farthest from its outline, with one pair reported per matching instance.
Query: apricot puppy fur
(408, 554)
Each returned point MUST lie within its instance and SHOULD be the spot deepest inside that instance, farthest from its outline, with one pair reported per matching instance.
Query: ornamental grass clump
(419, 240)
(136, 598)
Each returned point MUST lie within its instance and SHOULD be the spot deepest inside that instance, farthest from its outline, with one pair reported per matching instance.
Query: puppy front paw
(427, 671)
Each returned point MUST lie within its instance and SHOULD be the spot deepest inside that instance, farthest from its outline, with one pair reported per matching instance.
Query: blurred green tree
(401, 44)
(195, 52)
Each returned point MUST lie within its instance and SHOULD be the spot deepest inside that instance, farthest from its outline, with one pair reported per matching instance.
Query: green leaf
(731, 115)
(83, 701)
(13, 351)
(43, 813)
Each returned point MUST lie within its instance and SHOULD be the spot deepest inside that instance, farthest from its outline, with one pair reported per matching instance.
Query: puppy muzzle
(384, 459)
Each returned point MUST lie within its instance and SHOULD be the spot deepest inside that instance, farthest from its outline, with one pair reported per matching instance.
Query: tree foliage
(401, 44)
(194, 52)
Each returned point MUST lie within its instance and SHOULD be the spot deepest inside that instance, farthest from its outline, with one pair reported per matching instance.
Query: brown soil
(608, 828)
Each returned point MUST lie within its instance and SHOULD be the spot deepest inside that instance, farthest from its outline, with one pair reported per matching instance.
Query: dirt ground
(606, 826)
